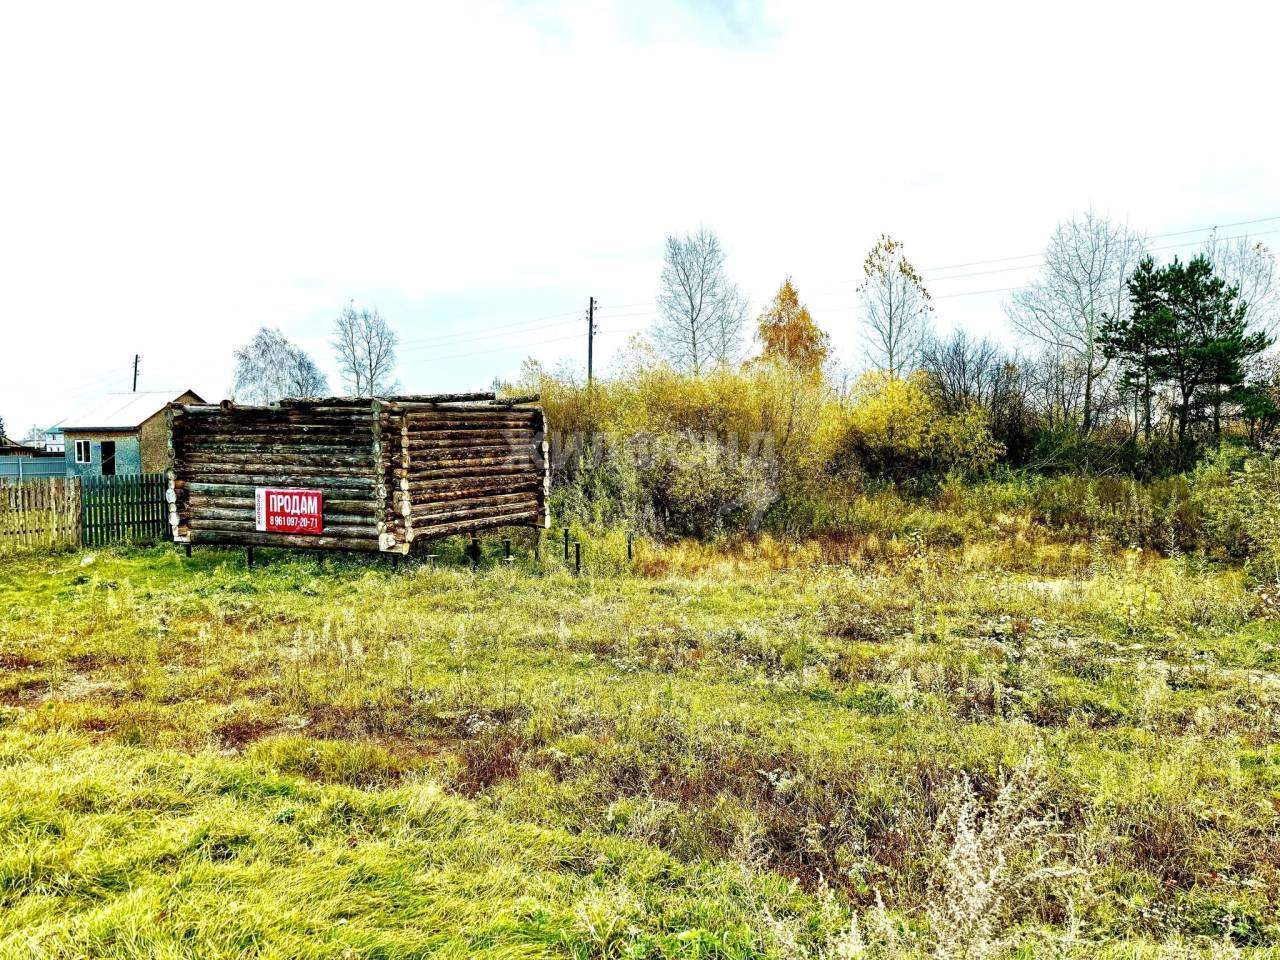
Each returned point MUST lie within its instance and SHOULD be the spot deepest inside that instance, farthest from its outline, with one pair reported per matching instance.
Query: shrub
(698, 488)
(633, 446)
(896, 430)
(1237, 496)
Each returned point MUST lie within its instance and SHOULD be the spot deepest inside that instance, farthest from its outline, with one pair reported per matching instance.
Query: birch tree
(269, 367)
(896, 308)
(1084, 280)
(366, 349)
(701, 313)
(1250, 268)
(787, 333)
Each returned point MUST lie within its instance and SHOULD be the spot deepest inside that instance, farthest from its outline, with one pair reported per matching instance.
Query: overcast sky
(173, 176)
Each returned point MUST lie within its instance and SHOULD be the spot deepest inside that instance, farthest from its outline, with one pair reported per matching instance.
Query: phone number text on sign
(286, 510)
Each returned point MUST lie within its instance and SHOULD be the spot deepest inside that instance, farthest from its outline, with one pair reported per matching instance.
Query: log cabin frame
(393, 470)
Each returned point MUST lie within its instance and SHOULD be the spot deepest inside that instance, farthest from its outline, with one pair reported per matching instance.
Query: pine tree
(1133, 342)
(1188, 329)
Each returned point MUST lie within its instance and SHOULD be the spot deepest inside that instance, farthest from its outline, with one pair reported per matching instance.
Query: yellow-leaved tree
(788, 335)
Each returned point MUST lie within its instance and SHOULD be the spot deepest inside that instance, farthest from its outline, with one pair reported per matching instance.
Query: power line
(523, 346)
(1155, 236)
(1170, 246)
(559, 319)
(504, 326)
(1038, 264)
(510, 346)
(633, 313)
(534, 324)
(466, 338)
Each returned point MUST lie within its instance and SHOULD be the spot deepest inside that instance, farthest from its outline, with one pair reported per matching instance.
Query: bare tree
(701, 313)
(270, 367)
(1056, 387)
(1249, 266)
(896, 307)
(963, 370)
(1084, 279)
(366, 348)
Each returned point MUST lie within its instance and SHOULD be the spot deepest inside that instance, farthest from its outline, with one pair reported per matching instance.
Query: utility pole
(135, 373)
(591, 334)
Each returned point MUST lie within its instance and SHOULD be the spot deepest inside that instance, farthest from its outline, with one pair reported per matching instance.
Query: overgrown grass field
(888, 749)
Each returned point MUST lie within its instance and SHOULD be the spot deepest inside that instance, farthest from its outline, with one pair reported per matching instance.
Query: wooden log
(472, 507)
(204, 408)
(197, 487)
(244, 415)
(459, 429)
(510, 460)
(187, 466)
(282, 479)
(410, 399)
(238, 417)
(422, 492)
(469, 453)
(365, 403)
(428, 474)
(523, 517)
(301, 453)
(422, 419)
(423, 414)
(278, 436)
(426, 501)
(423, 438)
(322, 403)
(282, 454)
(247, 526)
(513, 401)
(205, 516)
(450, 408)
(291, 426)
(201, 456)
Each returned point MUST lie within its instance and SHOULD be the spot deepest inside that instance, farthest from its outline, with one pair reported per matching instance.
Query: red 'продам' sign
(284, 510)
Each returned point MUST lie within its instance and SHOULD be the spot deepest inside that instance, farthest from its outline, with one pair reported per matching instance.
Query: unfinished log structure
(390, 470)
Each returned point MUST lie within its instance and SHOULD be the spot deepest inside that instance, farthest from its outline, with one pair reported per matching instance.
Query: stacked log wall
(391, 470)
(473, 468)
(221, 456)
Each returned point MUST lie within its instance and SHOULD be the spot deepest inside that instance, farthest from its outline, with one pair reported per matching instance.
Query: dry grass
(877, 747)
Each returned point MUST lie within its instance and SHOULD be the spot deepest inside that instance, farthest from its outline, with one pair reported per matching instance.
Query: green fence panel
(124, 509)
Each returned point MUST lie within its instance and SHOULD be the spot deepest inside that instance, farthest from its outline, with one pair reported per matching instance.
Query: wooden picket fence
(39, 515)
(123, 509)
(64, 513)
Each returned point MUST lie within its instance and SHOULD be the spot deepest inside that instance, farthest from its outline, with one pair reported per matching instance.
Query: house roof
(10, 447)
(123, 411)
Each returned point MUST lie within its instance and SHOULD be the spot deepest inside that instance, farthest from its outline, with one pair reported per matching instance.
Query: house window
(84, 451)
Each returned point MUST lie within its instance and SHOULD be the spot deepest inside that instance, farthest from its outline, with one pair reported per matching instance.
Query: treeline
(271, 367)
(1124, 366)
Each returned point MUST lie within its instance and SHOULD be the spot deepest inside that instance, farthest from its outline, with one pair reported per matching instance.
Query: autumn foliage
(787, 334)
(729, 448)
